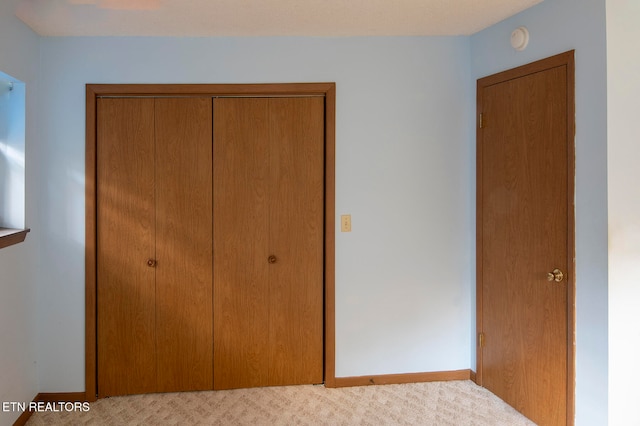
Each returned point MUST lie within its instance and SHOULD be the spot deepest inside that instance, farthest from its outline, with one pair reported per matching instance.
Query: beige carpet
(438, 403)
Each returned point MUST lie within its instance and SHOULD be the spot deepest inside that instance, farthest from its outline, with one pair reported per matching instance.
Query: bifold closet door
(154, 283)
(184, 246)
(126, 286)
(268, 241)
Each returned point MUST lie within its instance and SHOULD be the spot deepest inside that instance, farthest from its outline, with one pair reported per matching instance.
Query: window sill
(9, 237)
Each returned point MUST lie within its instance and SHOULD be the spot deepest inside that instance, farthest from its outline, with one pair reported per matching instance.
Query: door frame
(565, 59)
(95, 91)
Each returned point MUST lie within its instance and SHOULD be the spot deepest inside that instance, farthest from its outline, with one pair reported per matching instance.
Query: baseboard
(473, 377)
(23, 419)
(61, 397)
(50, 397)
(390, 379)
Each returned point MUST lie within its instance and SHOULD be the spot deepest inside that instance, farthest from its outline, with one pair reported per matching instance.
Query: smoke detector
(520, 38)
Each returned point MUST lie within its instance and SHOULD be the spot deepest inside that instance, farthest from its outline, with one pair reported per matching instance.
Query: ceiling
(204, 18)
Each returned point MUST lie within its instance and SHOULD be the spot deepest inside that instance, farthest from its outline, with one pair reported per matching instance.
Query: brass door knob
(556, 275)
(152, 263)
(272, 259)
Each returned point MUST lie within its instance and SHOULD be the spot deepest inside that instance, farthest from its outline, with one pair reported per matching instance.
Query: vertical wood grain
(90, 367)
(240, 250)
(125, 240)
(525, 236)
(296, 237)
(569, 62)
(479, 234)
(184, 244)
(93, 94)
(329, 237)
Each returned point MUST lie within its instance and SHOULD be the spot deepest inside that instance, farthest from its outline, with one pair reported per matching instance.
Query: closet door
(126, 285)
(154, 204)
(296, 239)
(268, 241)
(240, 245)
(184, 232)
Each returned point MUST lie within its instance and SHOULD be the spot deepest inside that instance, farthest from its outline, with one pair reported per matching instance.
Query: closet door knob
(152, 263)
(272, 259)
(556, 275)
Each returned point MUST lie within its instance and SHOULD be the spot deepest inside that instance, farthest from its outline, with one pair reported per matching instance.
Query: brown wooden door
(154, 274)
(184, 244)
(268, 241)
(524, 214)
(126, 291)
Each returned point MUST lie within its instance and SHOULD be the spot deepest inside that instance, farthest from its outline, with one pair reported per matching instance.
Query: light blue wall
(404, 166)
(556, 26)
(19, 57)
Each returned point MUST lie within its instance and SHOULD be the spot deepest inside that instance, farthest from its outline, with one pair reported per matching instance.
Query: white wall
(19, 57)
(623, 79)
(556, 26)
(404, 163)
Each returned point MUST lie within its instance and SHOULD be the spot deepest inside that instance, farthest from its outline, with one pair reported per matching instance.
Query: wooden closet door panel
(184, 244)
(296, 239)
(126, 239)
(240, 251)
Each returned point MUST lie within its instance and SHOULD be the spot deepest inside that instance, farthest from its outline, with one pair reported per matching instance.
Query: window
(12, 160)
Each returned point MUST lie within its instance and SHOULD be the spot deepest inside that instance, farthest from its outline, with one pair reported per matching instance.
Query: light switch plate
(345, 223)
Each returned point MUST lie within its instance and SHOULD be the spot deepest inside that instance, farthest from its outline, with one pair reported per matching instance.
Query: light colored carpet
(453, 403)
